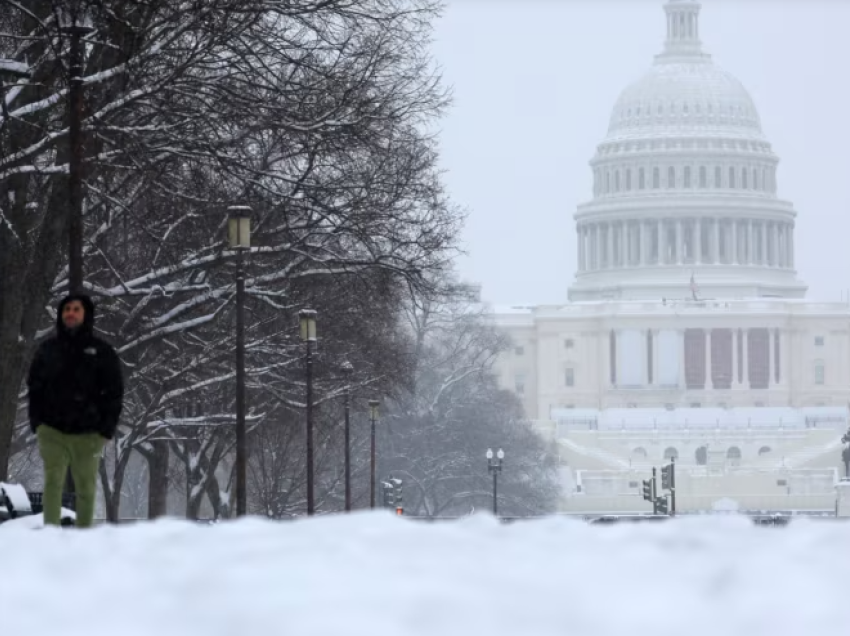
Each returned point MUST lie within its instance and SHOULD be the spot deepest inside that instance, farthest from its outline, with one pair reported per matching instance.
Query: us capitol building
(686, 334)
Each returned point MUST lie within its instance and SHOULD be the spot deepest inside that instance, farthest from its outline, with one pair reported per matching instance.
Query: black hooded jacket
(75, 383)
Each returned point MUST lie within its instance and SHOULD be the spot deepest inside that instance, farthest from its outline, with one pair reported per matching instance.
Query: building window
(617, 181)
(671, 177)
(641, 179)
(687, 176)
(569, 343)
(744, 178)
(703, 177)
(755, 179)
(818, 341)
(819, 373)
(671, 453)
(732, 178)
(656, 178)
(718, 178)
(733, 456)
(607, 183)
(628, 179)
(569, 377)
(520, 350)
(519, 383)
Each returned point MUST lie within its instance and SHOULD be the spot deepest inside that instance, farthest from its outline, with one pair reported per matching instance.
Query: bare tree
(312, 111)
(442, 427)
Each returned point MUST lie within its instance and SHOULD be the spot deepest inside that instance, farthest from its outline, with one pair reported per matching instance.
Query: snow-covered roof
(706, 418)
(685, 91)
(674, 307)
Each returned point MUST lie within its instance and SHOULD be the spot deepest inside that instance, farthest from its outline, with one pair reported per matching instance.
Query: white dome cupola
(685, 187)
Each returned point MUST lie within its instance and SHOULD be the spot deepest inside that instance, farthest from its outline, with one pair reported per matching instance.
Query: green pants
(82, 454)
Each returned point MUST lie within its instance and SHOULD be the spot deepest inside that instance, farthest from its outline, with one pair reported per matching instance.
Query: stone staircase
(604, 459)
(801, 456)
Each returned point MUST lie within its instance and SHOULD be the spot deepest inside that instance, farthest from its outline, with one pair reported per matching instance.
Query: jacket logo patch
(91, 351)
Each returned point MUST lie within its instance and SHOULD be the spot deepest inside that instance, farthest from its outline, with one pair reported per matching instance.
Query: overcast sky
(534, 83)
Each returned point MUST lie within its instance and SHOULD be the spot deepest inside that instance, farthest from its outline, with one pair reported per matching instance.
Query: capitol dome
(679, 96)
(685, 199)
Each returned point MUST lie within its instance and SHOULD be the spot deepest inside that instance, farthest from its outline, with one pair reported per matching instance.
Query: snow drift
(378, 575)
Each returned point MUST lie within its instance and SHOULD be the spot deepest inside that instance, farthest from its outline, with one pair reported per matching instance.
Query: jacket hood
(87, 327)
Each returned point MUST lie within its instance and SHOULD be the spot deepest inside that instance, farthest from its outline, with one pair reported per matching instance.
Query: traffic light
(389, 495)
(648, 490)
(661, 506)
(398, 498)
(668, 477)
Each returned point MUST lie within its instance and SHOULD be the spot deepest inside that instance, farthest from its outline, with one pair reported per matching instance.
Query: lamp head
(307, 321)
(239, 227)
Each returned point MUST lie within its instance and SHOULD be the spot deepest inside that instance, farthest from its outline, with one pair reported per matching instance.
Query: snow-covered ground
(378, 575)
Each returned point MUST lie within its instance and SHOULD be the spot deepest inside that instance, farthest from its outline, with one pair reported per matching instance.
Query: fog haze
(534, 83)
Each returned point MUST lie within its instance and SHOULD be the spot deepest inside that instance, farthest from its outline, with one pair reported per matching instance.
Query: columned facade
(706, 359)
(684, 241)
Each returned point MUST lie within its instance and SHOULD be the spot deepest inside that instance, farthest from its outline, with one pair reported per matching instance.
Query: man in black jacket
(75, 399)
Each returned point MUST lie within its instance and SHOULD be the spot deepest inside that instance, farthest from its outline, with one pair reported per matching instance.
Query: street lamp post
(239, 239)
(347, 369)
(373, 418)
(307, 320)
(76, 23)
(494, 465)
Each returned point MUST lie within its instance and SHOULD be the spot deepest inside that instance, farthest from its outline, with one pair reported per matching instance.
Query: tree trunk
(158, 480)
(26, 290)
(214, 494)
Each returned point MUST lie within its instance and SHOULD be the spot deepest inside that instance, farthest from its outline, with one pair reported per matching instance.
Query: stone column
(771, 357)
(764, 254)
(679, 241)
(735, 340)
(579, 250)
(735, 257)
(597, 245)
(775, 237)
(584, 251)
(609, 256)
(698, 241)
(750, 243)
(709, 381)
(716, 240)
(659, 228)
(624, 244)
(791, 245)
